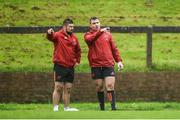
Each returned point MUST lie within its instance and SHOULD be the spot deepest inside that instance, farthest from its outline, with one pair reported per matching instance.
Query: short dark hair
(67, 21)
(93, 18)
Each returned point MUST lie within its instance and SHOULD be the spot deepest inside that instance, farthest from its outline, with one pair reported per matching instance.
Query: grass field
(90, 111)
(33, 53)
(111, 12)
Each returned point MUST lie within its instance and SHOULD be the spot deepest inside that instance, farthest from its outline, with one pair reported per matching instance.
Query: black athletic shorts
(63, 74)
(102, 72)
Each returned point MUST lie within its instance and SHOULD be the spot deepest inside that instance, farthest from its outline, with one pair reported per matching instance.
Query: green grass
(33, 53)
(111, 12)
(137, 110)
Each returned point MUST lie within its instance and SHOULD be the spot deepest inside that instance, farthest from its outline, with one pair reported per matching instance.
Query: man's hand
(76, 65)
(120, 66)
(106, 29)
(50, 31)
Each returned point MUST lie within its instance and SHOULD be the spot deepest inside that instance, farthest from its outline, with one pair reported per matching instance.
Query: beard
(69, 32)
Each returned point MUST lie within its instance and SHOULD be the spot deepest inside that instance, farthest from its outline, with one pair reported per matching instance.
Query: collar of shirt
(65, 34)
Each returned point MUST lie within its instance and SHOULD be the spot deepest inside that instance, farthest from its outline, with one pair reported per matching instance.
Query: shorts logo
(112, 73)
(93, 75)
(58, 77)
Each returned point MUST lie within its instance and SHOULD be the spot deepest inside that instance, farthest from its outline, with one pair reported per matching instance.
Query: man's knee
(68, 89)
(99, 87)
(110, 86)
(59, 88)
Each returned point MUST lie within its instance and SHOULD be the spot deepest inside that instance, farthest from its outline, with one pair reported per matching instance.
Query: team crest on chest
(73, 41)
(106, 37)
(65, 38)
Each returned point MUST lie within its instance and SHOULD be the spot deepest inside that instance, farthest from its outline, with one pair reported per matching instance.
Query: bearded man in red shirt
(101, 56)
(66, 56)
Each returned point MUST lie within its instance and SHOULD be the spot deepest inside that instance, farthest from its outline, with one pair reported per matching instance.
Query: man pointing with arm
(66, 56)
(101, 56)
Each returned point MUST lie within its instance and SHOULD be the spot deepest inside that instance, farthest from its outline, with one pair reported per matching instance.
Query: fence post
(149, 47)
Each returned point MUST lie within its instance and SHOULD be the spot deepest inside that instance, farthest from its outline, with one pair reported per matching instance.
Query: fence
(149, 30)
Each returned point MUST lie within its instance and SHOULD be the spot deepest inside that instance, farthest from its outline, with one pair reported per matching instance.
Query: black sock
(112, 99)
(100, 96)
